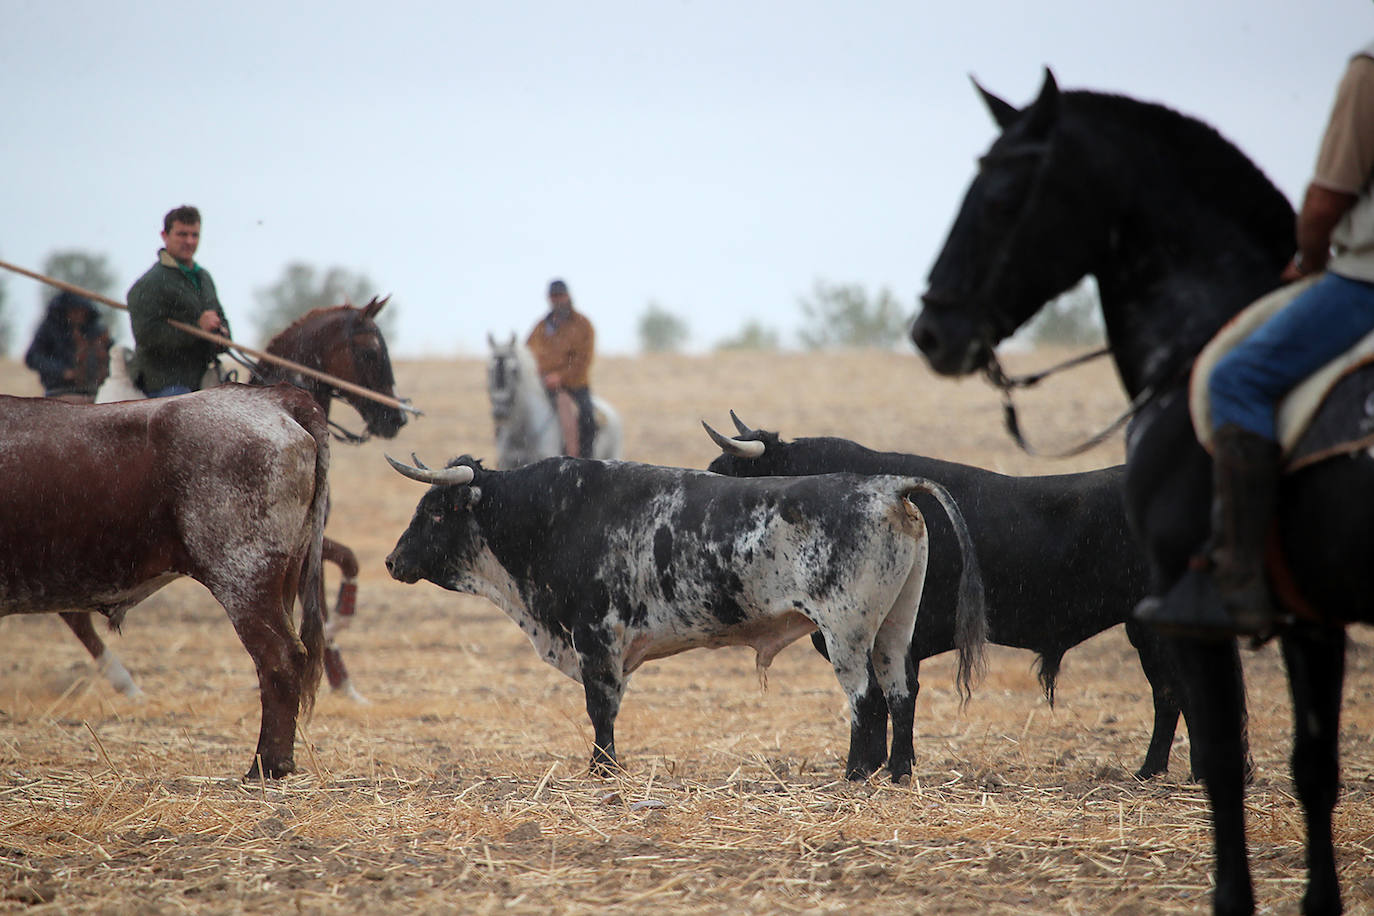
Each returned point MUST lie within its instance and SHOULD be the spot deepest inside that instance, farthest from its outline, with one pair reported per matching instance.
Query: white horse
(526, 424)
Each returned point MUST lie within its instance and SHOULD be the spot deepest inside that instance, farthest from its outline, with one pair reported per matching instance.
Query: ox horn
(740, 448)
(739, 424)
(448, 476)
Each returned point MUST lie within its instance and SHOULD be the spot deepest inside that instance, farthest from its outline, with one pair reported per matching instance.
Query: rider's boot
(1226, 593)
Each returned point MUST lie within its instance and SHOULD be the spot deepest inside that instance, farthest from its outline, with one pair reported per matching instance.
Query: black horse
(1181, 231)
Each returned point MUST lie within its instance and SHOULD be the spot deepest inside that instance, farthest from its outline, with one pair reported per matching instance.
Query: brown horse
(345, 342)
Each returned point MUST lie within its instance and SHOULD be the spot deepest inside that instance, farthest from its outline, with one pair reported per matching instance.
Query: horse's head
(345, 342)
(503, 376)
(1012, 247)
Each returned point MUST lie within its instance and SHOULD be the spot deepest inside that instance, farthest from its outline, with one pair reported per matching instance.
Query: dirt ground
(462, 785)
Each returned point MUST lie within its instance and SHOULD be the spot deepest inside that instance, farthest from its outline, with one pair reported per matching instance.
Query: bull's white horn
(448, 476)
(740, 448)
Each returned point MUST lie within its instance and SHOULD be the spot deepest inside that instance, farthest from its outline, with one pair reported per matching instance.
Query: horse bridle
(258, 369)
(989, 323)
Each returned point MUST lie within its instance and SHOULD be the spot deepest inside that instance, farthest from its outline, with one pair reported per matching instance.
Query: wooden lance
(191, 329)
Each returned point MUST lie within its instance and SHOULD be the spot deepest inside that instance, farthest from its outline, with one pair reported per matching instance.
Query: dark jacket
(59, 346)
(164, 355)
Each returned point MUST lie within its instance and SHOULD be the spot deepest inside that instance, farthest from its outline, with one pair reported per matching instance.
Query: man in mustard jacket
(562, 344)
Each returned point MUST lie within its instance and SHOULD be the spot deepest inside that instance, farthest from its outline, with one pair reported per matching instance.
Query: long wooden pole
(191, 329)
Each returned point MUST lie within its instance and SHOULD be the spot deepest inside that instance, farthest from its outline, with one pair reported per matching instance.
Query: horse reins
(257, 369)
(1005, 383)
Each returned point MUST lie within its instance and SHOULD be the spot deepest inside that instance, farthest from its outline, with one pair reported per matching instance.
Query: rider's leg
(1245, 389)
(567, 422)
(586, 420)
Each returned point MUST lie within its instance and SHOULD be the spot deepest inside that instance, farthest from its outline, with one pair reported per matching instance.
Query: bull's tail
(312, 419)
(970, 612)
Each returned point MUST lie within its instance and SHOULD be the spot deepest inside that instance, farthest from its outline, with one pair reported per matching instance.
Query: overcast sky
(714, 157)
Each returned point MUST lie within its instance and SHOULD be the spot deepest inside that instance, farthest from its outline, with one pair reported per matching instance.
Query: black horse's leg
(1214, 704)
(1315, 657)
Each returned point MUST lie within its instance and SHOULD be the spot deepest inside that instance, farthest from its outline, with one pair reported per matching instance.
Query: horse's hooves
(348, 691)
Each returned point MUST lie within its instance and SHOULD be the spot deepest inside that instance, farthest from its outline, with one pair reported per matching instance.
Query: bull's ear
(1003, 112)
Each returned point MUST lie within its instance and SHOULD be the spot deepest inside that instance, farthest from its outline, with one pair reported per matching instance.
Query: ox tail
(970, 612)
(312, 570)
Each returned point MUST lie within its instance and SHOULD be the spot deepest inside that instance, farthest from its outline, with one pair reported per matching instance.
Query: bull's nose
(398, 572)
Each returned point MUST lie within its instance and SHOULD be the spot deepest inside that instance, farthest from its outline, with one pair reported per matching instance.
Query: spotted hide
(105, 504)
(606, 565)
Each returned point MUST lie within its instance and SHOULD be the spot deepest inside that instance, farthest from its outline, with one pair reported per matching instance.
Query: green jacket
(164, 355)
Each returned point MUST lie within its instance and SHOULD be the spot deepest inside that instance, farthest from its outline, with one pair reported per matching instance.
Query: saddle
(1328, 414)
(120, 386)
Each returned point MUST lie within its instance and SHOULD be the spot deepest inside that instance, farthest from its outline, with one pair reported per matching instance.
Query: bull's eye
(437, 518)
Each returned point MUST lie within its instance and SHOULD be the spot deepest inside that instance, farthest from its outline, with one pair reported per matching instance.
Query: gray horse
(526, 424)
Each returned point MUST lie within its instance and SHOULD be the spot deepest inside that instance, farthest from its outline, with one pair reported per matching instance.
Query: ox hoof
(263, 770)
(349, 692)
(859, 772)
(605, 765)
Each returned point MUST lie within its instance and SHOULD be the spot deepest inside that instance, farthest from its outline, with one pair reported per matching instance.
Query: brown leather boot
(1227, 594)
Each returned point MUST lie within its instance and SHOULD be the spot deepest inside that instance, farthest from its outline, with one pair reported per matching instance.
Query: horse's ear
(1044, 112)
(512, 339)
(375, 306)
(1003, 112)
(491, 341)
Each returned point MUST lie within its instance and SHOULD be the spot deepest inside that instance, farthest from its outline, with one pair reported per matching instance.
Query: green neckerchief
(191, 273)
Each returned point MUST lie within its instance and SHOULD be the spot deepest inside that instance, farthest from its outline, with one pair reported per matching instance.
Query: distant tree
(1073, 318)
(753, 336)
(660, 331)
(841, 315)
(88, 271)
(302, 288)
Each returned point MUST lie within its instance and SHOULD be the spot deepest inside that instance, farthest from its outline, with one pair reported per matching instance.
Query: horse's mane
(295, 326)
(1210, 167)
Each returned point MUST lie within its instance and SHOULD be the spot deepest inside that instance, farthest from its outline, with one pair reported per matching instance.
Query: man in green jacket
(167, 360)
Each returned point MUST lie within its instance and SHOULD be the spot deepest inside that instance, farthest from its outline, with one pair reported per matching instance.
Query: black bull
(1059, 562)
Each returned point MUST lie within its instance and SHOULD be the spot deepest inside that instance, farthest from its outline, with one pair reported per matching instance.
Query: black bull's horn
(740, 448)
(446, 477)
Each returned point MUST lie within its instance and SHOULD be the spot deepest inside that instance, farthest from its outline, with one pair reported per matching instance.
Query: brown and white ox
(105, 504)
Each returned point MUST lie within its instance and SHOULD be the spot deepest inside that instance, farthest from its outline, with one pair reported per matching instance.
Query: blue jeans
(169, 391)
(1248, 383)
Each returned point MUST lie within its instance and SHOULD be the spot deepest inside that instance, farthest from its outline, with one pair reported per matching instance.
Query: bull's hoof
(604, 763)
(858, 772)
(262, 769)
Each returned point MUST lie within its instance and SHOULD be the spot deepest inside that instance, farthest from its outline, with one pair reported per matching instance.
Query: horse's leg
(344, 609)
(1315, 657)
(1214, 703)
(106, 662)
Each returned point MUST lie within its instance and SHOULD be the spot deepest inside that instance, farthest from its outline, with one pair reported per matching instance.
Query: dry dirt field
(462, 785)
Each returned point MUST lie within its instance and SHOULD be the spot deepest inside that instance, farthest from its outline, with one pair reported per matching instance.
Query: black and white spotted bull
(606, 565)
